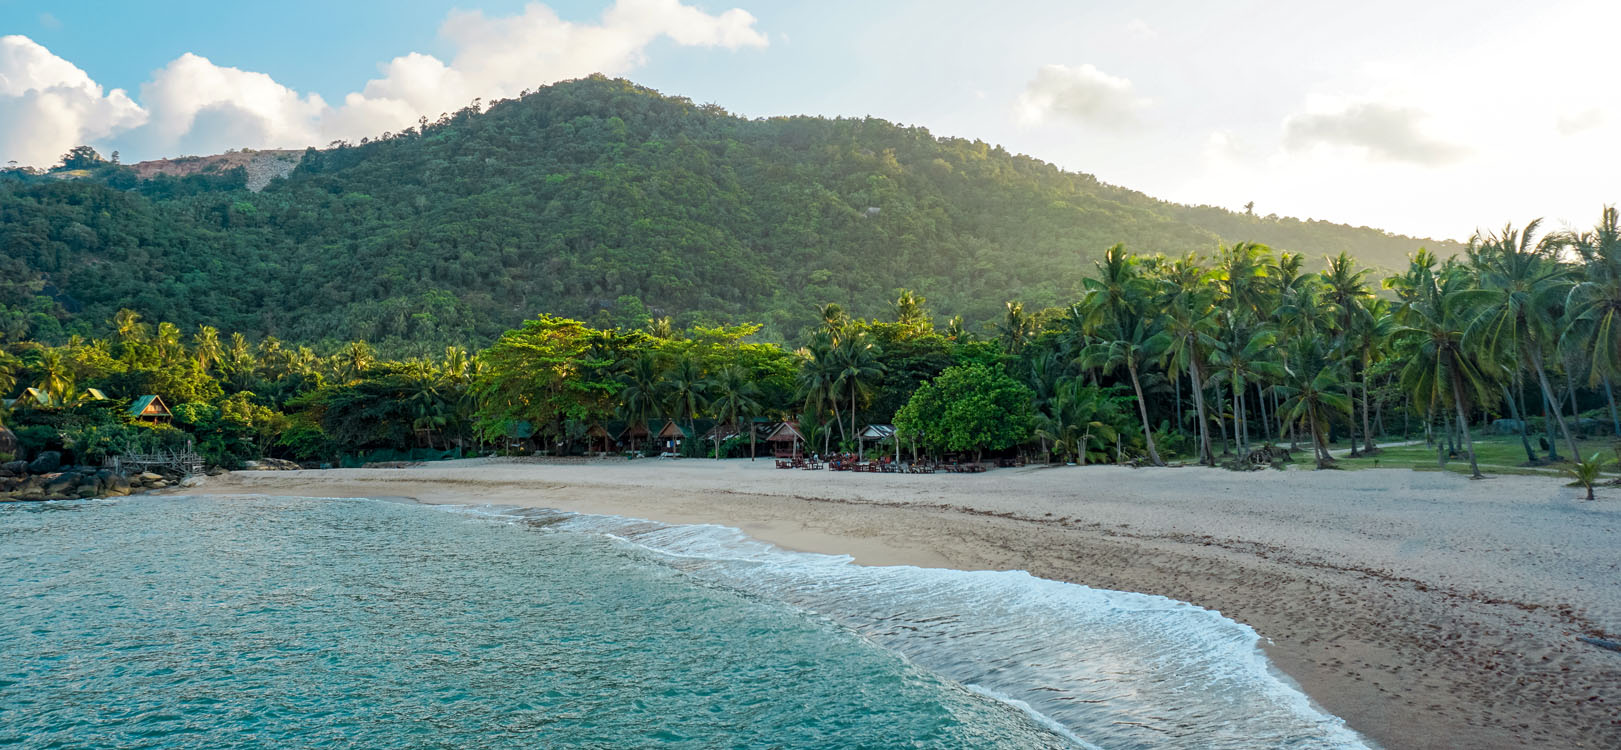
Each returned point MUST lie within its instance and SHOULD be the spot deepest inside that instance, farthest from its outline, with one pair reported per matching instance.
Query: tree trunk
(1318, 451)
(1221, 422)
(1547, 392)
(1368, 445)
(1142, 410)
(1260, 404)
(1463, 423)
(853, 434)
(751, 438)
(1205, 455)
(1525, 439)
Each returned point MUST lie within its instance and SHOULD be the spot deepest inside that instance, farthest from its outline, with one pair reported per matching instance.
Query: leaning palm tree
(1189, 322)
(1441, 368)
(1523, 286)
(1131, 348)
(734, 395)
(1593, 306)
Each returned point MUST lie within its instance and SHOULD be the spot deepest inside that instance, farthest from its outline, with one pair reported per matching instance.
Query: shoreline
(1426, 610)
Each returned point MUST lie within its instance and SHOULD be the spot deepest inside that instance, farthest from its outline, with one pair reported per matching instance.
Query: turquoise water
(285, 622)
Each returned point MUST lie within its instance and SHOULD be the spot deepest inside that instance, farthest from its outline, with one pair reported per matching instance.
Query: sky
(1432, 119)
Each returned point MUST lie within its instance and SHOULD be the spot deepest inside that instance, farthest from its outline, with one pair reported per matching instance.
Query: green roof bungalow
(150, 409)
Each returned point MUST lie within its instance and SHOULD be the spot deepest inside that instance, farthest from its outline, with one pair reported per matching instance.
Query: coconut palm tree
(1523, 286)
(858, 370)
(912, 315)
(1245, 360)
(1015, 328)
(1189, 321)
(687, 390)
(734, 395)
(1131, 348)
(1593, 305)
(1586, 473)
(55, 379)
(1312, 396)
(355, 360)
(1441, 367)
(641, 394)
(1076, 420)
(205, 347)
(818, 376)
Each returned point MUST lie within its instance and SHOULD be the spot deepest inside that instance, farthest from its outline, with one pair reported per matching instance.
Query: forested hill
(596, 199)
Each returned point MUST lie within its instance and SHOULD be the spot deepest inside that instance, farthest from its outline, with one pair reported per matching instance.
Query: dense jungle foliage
(598, 200)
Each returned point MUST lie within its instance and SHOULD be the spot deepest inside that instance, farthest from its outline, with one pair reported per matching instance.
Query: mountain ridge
(607, 201)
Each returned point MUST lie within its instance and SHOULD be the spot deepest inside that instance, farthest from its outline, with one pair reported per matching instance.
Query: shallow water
(285, 622)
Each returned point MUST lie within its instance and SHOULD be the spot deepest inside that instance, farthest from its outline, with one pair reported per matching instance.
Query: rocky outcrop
(69, 482)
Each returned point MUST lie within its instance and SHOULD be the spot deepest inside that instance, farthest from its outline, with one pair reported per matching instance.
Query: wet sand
(1427, 610)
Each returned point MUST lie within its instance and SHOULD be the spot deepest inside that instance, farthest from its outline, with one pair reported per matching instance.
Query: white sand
(1428, 610)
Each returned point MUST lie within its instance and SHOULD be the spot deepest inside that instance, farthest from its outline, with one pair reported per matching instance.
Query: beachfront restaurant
(875, 433)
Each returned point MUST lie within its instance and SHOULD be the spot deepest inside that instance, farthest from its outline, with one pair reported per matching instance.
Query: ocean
(253, 622)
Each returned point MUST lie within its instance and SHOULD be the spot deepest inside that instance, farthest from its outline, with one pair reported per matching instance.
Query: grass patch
(1496, 454)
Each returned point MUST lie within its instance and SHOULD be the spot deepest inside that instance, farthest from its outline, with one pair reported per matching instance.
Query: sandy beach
(1427, 610)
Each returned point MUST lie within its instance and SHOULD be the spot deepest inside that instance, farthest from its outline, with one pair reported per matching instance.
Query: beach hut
(634, 435)
(875, 433)
(598, 439)
(785, 440)
(150, 408)
(671, 436)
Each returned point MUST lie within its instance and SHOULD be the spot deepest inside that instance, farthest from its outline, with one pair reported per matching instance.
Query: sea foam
(1111, 669)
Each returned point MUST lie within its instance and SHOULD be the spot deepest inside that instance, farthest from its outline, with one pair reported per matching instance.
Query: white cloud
(47, 105)
(193, 105)
(1139, 29)
(1385, 131)
(1081, 94)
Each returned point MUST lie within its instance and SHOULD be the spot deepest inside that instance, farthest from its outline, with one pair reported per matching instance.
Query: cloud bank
(193, 105)
(1083, 95)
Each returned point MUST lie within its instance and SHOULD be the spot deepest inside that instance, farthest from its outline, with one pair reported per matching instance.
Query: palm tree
(1593, 306)
(1132, 348)
(688, 391)
(205, 346)
(1246, 360)
(858, 369)
(1312, 399)
(912, 315)
(1345, 289)
(818, 376)
(1586, 473)
(1015, 328)
(1189, 321)
(833, 321)
(1076, 420)
(640, 393)
(55, 379)
(1370, 331)
(1522, 285)
(734, 396)
(355, 360)
(1441, 367)
(9, 366)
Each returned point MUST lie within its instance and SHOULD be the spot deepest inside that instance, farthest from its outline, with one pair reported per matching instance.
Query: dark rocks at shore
(71, 482)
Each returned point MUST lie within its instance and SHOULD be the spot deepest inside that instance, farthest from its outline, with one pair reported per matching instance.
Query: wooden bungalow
(785, 440)
(150, 409)
(671, 436)
(634, 435)
(598, 439)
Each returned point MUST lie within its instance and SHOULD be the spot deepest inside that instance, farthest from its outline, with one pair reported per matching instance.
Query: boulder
(147, 477)
(86, 490)
(192, 481)
(158, 485)
(118, 485)
(104, 478)
(60, 484)
(17, 468)
(45, 463)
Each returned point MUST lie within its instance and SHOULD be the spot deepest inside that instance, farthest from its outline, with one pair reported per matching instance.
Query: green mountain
(596, 199)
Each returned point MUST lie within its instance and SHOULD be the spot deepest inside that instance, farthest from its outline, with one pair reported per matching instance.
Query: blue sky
(1430, 120)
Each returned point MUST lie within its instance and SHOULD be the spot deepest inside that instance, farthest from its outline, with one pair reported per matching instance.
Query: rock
(118, 485)
(17, 468)
(270, 464)
(148, 477)
(158, 485)
(193, 481)
(60, 484)
(45, 463)
(86, 490)
(215, 471)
